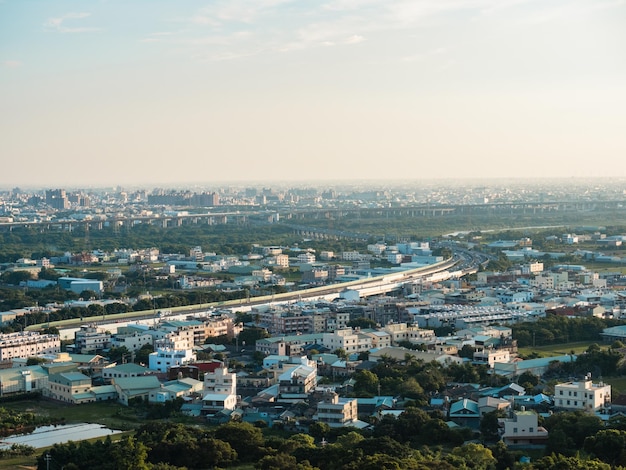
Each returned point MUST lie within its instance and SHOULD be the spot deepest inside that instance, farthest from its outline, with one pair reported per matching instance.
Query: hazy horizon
(113, 93)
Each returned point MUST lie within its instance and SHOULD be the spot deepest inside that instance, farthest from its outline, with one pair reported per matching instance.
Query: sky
(121, 92)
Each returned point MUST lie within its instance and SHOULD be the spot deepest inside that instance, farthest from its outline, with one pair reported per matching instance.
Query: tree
(129, 453)
(366, 382)
(562, 462)
(214, 453)
(249, 336)
(362, 323)
(88, 294)
(467, 351)
(319, 430)
(609, 445)
(476, 456)
(569, 429)
(118, 354)
(33, 361)
(246, 439)
(528, 378)
(16, 277)
(489, 428)
(142, 355)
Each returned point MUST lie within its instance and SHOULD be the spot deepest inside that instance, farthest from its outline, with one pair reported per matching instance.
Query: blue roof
(465, 404)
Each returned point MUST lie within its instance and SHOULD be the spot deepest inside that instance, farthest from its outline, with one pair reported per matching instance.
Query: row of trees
(224, 239)
(413, 441)
(554, 329)
(416, 379)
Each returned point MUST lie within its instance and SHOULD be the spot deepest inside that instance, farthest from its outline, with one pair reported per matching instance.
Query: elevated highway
(377, 285)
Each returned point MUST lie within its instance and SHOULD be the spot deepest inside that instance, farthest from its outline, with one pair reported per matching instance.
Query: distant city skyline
(161, 93)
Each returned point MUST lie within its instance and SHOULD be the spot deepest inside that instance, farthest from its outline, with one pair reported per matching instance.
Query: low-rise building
(336, 412)
(219, 391)
(69, 387)
(27, 344)
(91, 339)
(23, 380)
(489, 357)
(583, 395)
(164, 358)
(523, 430)
(124, 371)
(135, 388)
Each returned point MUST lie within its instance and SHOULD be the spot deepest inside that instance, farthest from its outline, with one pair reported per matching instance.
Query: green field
(110, 414)
(558, 349)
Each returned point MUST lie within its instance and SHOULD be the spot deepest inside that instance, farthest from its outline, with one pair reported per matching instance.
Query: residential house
(523, 430)
(490, 404)
(219, 392)
(583, 395)
(173, 389)
(465, 412)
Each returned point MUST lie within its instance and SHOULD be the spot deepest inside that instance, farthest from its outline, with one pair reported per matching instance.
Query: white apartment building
(403, 332)
(132, 341)
(306, 258)
(300, 379)
(584, 395)
(219, 391)
(281, 261)
(262, 275)
(377, 248)
(378, 338)
(336, 412)
(27, 344)
(90, 339)
(272, 250)
(164, 358)
(490, 357)
(220, 381)
(347, 340)
(351, 256)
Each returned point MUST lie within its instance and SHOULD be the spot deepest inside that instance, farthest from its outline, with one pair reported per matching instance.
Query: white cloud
(355, 39)
(58, 24)
(289, 25)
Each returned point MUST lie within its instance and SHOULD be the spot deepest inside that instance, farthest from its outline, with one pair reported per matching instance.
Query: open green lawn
(110, 414)
(618, 385)
(559, 349)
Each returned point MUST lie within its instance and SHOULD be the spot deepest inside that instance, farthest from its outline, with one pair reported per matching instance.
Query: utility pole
(47, 458)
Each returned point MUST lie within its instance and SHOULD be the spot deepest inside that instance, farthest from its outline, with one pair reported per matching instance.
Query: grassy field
(110, 414)
(558, 349)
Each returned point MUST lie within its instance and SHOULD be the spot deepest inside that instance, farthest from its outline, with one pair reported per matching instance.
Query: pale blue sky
(153, 91)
